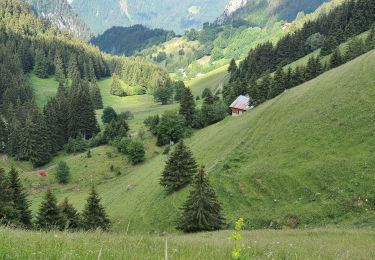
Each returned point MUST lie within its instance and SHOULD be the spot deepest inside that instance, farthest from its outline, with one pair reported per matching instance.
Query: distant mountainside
(258, 12)
(62, 15)
(129, 40)
(168, 14)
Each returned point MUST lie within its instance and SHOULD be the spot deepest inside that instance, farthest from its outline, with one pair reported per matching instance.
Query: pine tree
(202, 210)
(41, 64)
(96, 96)
(8, 211)
(187, 106)
(116, 88)
(49, 215)
(19, 198)
(179, 88)
(336, 59)
(278, 83)
(59, 69)
(370, 40)
(73, 69)
(232, 70)
(109, 114)
(209, 98)
(71, 216)
(3, 135)
(179, 169)
(94, 215)
(62, 173)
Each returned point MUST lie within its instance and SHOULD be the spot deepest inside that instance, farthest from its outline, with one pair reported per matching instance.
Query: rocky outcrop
(231, 7)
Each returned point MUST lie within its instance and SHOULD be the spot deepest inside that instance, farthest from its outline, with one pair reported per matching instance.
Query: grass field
(302, 159)
(292, 244)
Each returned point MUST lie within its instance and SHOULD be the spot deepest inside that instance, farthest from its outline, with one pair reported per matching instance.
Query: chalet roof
(242, 103)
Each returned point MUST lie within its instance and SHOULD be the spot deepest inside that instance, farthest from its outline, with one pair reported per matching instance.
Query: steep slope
(170, 14)
(62, 15)
(302, 159)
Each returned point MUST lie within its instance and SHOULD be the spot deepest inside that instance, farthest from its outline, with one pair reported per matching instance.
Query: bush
(96, 140)
(123, 145)
(77, 145)
(62, 173)
(109, 114)
(127, 115)
(116, 129)
(152, 123)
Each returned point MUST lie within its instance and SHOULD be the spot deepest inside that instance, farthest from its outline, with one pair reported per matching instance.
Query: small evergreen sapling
(179, 170)
(94, 215)
(62, 173)
(202, 210)
(70, 215)
(49, 215)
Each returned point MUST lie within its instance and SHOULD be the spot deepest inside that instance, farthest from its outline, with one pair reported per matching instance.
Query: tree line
(15, 209)
(349, 19)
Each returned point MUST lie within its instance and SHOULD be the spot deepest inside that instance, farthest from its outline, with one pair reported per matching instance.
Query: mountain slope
(170, 14)
(302, 159)
(62, 15)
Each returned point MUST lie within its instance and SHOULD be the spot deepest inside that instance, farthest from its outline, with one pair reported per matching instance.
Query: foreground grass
(265, 244)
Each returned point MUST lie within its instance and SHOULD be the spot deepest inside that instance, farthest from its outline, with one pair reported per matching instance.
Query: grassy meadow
(261, 244)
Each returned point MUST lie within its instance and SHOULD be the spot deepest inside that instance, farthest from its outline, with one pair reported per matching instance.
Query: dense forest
(30, 45)
(130, 40)
(347, 20)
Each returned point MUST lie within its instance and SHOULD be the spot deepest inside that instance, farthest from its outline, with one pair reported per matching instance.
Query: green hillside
(302, 159)
(292, 244)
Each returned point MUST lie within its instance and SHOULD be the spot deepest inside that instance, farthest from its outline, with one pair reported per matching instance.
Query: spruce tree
(94, 215)
(209, 98)
(179, 88)
(73, 69)
(96, 96)
(3, 135)
(202, 210)
(41, 64)
(8, 212)
(62, 173)
(71, 216)
(179, 169)
(187, 106)
(278, 83)
(116, 88)
(19, 198)
(336, 59)
(49, 215)
(109, 114)
(59, 69)
(232, 70)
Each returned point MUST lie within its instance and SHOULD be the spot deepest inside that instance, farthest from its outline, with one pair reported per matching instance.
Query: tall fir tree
(49, 215)
(41, 64)
(179, 88)
(179, 169)
(336, 59)
(94, 215)
(116, 88)
(278, 83)
(70, 215)
(73, 69)
(59, 69)
(96, 96)
(8, 212)
(187, 106)
(3, 135)
(19, 198)
(202, 210)
(232, 70)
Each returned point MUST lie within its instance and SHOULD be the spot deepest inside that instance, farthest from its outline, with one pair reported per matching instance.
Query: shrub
(62, 173)
(76, 145)
(116, 129)
(127, 115)
(136, 152)
(123, 145)
(109, 114)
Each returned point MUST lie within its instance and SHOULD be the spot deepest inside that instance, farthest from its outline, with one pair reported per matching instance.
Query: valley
(107, 156)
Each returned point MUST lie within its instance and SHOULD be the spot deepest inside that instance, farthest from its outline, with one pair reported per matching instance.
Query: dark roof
(242, 103)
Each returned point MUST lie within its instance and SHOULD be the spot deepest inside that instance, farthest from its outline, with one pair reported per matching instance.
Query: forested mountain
(258, 12)
(29, 45)
(167, 14)
(129, 40)
(60, 13)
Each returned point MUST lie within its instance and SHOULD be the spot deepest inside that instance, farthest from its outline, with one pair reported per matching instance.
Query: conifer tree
(59, 69)
(8, 212)
(116, 88)
(49, 215)
(187, 106)
(96, 96)
(278, 83)
(232, 69)
(109, 114)
(209, 98)
(202, 210)
(179, 88)
(370, 40)
(73, 69)
(70, 215)
(41, 64)
(3, 135)
(19, 199)
(94, 215)
(62, 173)
(179, 169)
(336, 59)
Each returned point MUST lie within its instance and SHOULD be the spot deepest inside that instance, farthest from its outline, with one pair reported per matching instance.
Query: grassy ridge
(293, 244)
